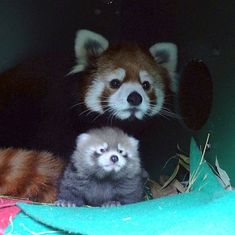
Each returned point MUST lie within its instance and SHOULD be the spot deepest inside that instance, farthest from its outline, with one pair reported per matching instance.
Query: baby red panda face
(127, 80)
(106, 151)
(110, 159)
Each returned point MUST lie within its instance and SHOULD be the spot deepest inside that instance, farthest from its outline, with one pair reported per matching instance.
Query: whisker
(111, 115)
(164, 112)
(110, 118)
(97, 116)
(168, 110)
(77, 104)
(170, 114)
(146, 115)
(83, 103)
(172, 95)
(87, 112)
(114, 115)
(107, 109)
(100, 114)
(160, 114)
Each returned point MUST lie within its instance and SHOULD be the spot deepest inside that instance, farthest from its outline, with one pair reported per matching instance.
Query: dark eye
(120, 151)
(146, 85)
(125, 156)
(102, 150)
(115, 84)
(96, 154)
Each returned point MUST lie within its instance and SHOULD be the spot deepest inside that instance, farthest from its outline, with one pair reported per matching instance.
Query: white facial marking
(126, 152)
(92, 100)
(160, 100)
(120, 148)
(102, 148)
(122, 109)
(116, 74)
(144, 76)
(105, 162)
(118, 101)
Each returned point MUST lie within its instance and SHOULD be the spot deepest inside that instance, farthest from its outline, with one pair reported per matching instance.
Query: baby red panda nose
(134, 98)
(114, 158)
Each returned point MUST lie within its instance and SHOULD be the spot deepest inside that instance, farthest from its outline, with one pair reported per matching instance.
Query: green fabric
(207, 209)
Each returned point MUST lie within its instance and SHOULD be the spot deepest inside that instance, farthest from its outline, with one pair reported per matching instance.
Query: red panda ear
(87, 46)
(165, 53)
(82, 139)
(134, 142)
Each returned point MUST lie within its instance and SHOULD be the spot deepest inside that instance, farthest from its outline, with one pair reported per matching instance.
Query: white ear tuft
(134, 142)
(165, 53)
(88, 44)
(81, 139)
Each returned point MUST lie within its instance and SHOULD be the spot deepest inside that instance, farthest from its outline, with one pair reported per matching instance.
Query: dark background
(31, 27)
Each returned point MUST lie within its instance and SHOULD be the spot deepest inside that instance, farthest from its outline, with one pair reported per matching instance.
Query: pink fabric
(8, 211)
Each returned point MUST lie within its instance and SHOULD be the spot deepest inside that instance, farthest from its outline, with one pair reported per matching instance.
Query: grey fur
(87, 181)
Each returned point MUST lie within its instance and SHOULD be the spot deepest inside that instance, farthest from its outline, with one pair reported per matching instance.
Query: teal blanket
(206, 209)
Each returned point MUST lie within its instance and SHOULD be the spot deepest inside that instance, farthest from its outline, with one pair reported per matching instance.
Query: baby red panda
(29, 174)
(105, 170)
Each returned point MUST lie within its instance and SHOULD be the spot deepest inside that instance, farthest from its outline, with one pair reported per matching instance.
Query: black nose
(114, 158)
(134, 98)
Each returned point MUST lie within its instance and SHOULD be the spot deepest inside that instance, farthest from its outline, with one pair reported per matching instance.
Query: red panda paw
(64, 203)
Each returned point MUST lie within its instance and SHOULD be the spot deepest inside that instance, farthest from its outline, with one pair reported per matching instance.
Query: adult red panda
(125, 80)
(124, 85)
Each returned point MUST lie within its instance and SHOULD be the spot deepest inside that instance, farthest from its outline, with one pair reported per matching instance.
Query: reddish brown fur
(152, 97)
(29, 174)
(132, 57)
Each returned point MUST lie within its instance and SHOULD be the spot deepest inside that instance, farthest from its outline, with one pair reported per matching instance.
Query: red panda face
(126, 81)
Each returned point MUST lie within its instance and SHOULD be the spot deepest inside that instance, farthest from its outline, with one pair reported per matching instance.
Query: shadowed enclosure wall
(207, 33)
(33, 28)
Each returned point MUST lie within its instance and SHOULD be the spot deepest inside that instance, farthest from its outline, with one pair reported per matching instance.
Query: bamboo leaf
(182, 163)
(184, 158)
(172, 177)
(223, 176)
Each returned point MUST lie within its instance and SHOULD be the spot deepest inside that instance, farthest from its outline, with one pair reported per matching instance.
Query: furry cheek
(92, 99)
(157, 98)
(156, 94)
(86, 153)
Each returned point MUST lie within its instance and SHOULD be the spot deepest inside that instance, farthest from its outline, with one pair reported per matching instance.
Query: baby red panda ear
(134, 142)
(82, 139)
(87, 46)
(165, 53)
